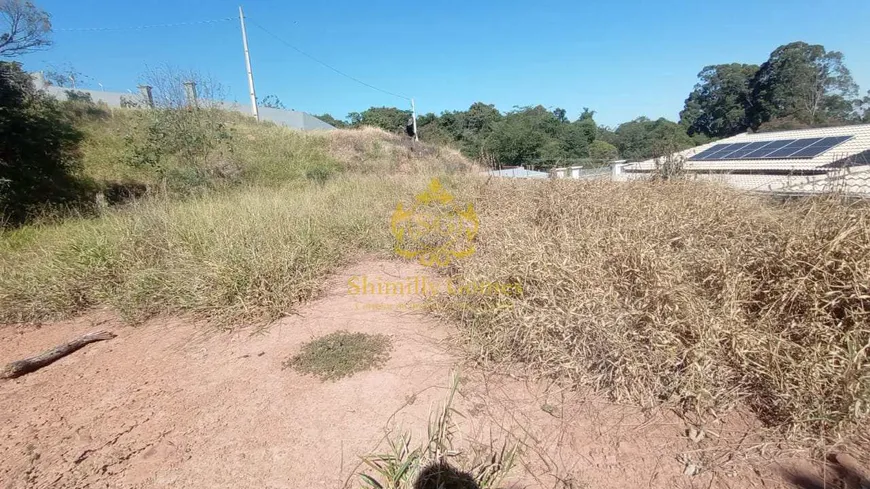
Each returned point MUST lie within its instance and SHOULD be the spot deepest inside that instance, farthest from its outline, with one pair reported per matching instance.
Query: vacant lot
(652, 294)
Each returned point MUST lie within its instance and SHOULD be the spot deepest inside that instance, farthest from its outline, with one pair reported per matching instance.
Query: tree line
(799, 86)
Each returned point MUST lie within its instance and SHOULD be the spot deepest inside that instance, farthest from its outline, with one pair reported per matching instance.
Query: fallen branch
(21, 367)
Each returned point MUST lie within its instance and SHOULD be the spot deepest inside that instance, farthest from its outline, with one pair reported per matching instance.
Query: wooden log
(27, 365)
(853, 475)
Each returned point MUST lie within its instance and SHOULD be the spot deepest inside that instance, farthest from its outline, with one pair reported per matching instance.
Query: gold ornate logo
(435, 229)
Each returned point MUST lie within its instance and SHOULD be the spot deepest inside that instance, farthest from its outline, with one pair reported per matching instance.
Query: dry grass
(365, 149)
(676, 292)
(246, 248)
(249, 254)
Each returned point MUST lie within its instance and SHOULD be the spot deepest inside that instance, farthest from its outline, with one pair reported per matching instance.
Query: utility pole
(248, 64)
(414, 117)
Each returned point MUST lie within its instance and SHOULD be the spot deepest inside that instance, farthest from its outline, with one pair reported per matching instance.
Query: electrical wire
(139, 27)
(323, 63)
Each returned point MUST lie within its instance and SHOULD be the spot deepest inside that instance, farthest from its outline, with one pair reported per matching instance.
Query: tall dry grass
(249, 230)
(677, 292)
(364, 150)
(250, 254)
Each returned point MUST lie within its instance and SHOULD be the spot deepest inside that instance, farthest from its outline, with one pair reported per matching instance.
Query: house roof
(856, 148)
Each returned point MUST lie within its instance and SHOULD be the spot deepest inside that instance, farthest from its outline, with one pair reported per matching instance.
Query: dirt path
(168, 404)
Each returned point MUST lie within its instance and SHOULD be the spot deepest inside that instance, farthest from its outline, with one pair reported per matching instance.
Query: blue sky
(622, 59)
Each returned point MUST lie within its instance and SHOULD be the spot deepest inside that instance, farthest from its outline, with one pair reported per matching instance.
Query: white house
(517, 172)
(798, 161)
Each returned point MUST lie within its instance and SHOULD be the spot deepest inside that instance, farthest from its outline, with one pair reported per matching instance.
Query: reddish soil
(172, 404)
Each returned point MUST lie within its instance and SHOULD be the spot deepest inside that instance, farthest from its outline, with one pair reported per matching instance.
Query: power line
(139, 27)
(327, 65)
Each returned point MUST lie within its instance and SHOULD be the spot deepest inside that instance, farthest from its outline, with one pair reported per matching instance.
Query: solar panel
(703, 154)
(770, 147)
(766, 150)
(808, 152)
(720, 148)
(723, 154)
(818, 147)
(749, 148)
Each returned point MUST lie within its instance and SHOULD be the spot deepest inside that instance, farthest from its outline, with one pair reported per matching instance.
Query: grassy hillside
(183, 153)
(241, 230)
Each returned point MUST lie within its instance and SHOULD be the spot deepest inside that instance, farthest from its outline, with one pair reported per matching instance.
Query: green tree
(480, 117)
(520, 136)
(472, 127)
(26, 28)
(429, 129)
(389, 119)
(718, 105)
(576, 137)
(602, 151)
(332, 121)
(540, 137)
(803, 82)
(643, 138)
(38, 148)
(862, 109)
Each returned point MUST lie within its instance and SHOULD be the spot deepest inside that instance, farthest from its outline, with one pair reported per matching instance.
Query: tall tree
(25, 28)
(480, 117)
(577, 136)
(718, 105)
(801, 81)
(389, 119)
(862, 109)
(523, 136)
(643, 138)
(602, 151)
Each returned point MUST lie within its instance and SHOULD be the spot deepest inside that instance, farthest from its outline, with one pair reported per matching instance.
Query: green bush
(319, 173)
(39, 155)
(190, 137)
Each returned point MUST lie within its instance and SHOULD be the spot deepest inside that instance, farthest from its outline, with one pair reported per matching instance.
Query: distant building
(289, 118)
(582, 173)
(517, 172)
(798, 161)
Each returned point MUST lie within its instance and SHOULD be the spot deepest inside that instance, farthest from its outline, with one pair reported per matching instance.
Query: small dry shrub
(341, 354)
(678, 292)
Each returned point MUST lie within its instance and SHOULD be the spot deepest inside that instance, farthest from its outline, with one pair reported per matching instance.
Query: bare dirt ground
(172, 404)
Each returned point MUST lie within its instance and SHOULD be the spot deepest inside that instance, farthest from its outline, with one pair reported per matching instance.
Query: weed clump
(436, 461)
(341, 354)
